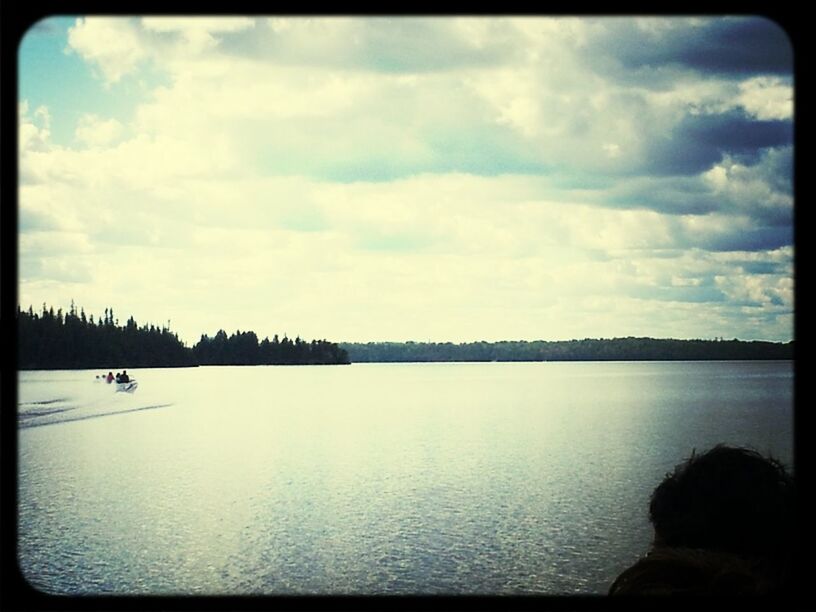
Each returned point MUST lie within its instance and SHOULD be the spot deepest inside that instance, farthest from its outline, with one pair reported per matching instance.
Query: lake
(439, 478)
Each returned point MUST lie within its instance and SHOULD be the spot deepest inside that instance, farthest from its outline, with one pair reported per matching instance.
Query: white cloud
(34, 131)
(745, 190)
(197, 32)
(568, 115)
(757, 290)
(221, 90)
(208, 24)
(767, 98)
(94, 131)
(763, 97)
(112, 44)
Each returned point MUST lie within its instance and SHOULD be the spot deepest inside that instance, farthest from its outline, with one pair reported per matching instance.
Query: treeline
(243, 348)
(51, 340)
(57, 340)
(615, 349)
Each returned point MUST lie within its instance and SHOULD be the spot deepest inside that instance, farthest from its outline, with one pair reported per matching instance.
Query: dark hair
(727, 499)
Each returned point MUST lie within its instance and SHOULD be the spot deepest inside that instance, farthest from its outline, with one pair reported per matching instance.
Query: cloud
(738, 45)
(697, 142)
(563, 116)
(760, 191)
(734, 279)
(735, 132)
(283, 120)
(55, 256)
(767, 98)
(33, 129)
(730, 233)
(198, 33)
(447, 178)
(41, 207)
(111, 44)
(56, 277)
(458, 95)
(197, 23)
(776, 169)
(757, 290)
(730, 46)
(94, 131)
(49, 242)
(395, 45)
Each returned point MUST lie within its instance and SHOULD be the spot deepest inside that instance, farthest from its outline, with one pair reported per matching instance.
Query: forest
(615, 349)
(51, 340)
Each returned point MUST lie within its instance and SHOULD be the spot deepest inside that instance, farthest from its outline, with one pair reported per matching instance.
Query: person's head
(726, 499)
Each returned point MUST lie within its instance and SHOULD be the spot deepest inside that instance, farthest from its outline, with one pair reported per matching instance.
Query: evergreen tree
(628, 349)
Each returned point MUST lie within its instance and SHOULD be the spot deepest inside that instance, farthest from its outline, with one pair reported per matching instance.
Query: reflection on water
(371, 478)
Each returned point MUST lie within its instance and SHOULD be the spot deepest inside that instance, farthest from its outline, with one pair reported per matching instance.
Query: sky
(444, 179)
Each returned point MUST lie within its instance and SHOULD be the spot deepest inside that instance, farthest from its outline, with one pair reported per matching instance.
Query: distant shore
(614, 349)
(55, 341)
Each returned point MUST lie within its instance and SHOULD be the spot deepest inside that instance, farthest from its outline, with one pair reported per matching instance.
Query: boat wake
(41, 412)
(73, 398)
(46, 402)
(29, 419)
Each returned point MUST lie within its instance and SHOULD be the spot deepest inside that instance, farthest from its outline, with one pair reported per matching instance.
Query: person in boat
(723, 525)
(124, 377)
(110, 377)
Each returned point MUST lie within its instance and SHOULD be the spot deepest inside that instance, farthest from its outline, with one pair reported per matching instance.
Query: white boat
(129, 386)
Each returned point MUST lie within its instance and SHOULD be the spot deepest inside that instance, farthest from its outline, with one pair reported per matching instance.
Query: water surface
(451, 478)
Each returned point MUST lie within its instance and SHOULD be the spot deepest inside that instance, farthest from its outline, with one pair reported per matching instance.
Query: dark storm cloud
(735, 132)
(733, 46)
(758, 189)
(698, 142)
(740, 46)
(764, 238)
(668, 195)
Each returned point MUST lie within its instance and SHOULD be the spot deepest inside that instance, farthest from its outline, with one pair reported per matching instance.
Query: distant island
(614, 349)
(55, 341)
(51, 340)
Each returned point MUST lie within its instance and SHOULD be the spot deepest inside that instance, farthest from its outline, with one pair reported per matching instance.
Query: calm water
(491, 478)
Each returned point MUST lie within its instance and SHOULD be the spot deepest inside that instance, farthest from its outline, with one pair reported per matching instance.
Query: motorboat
(128, 386)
